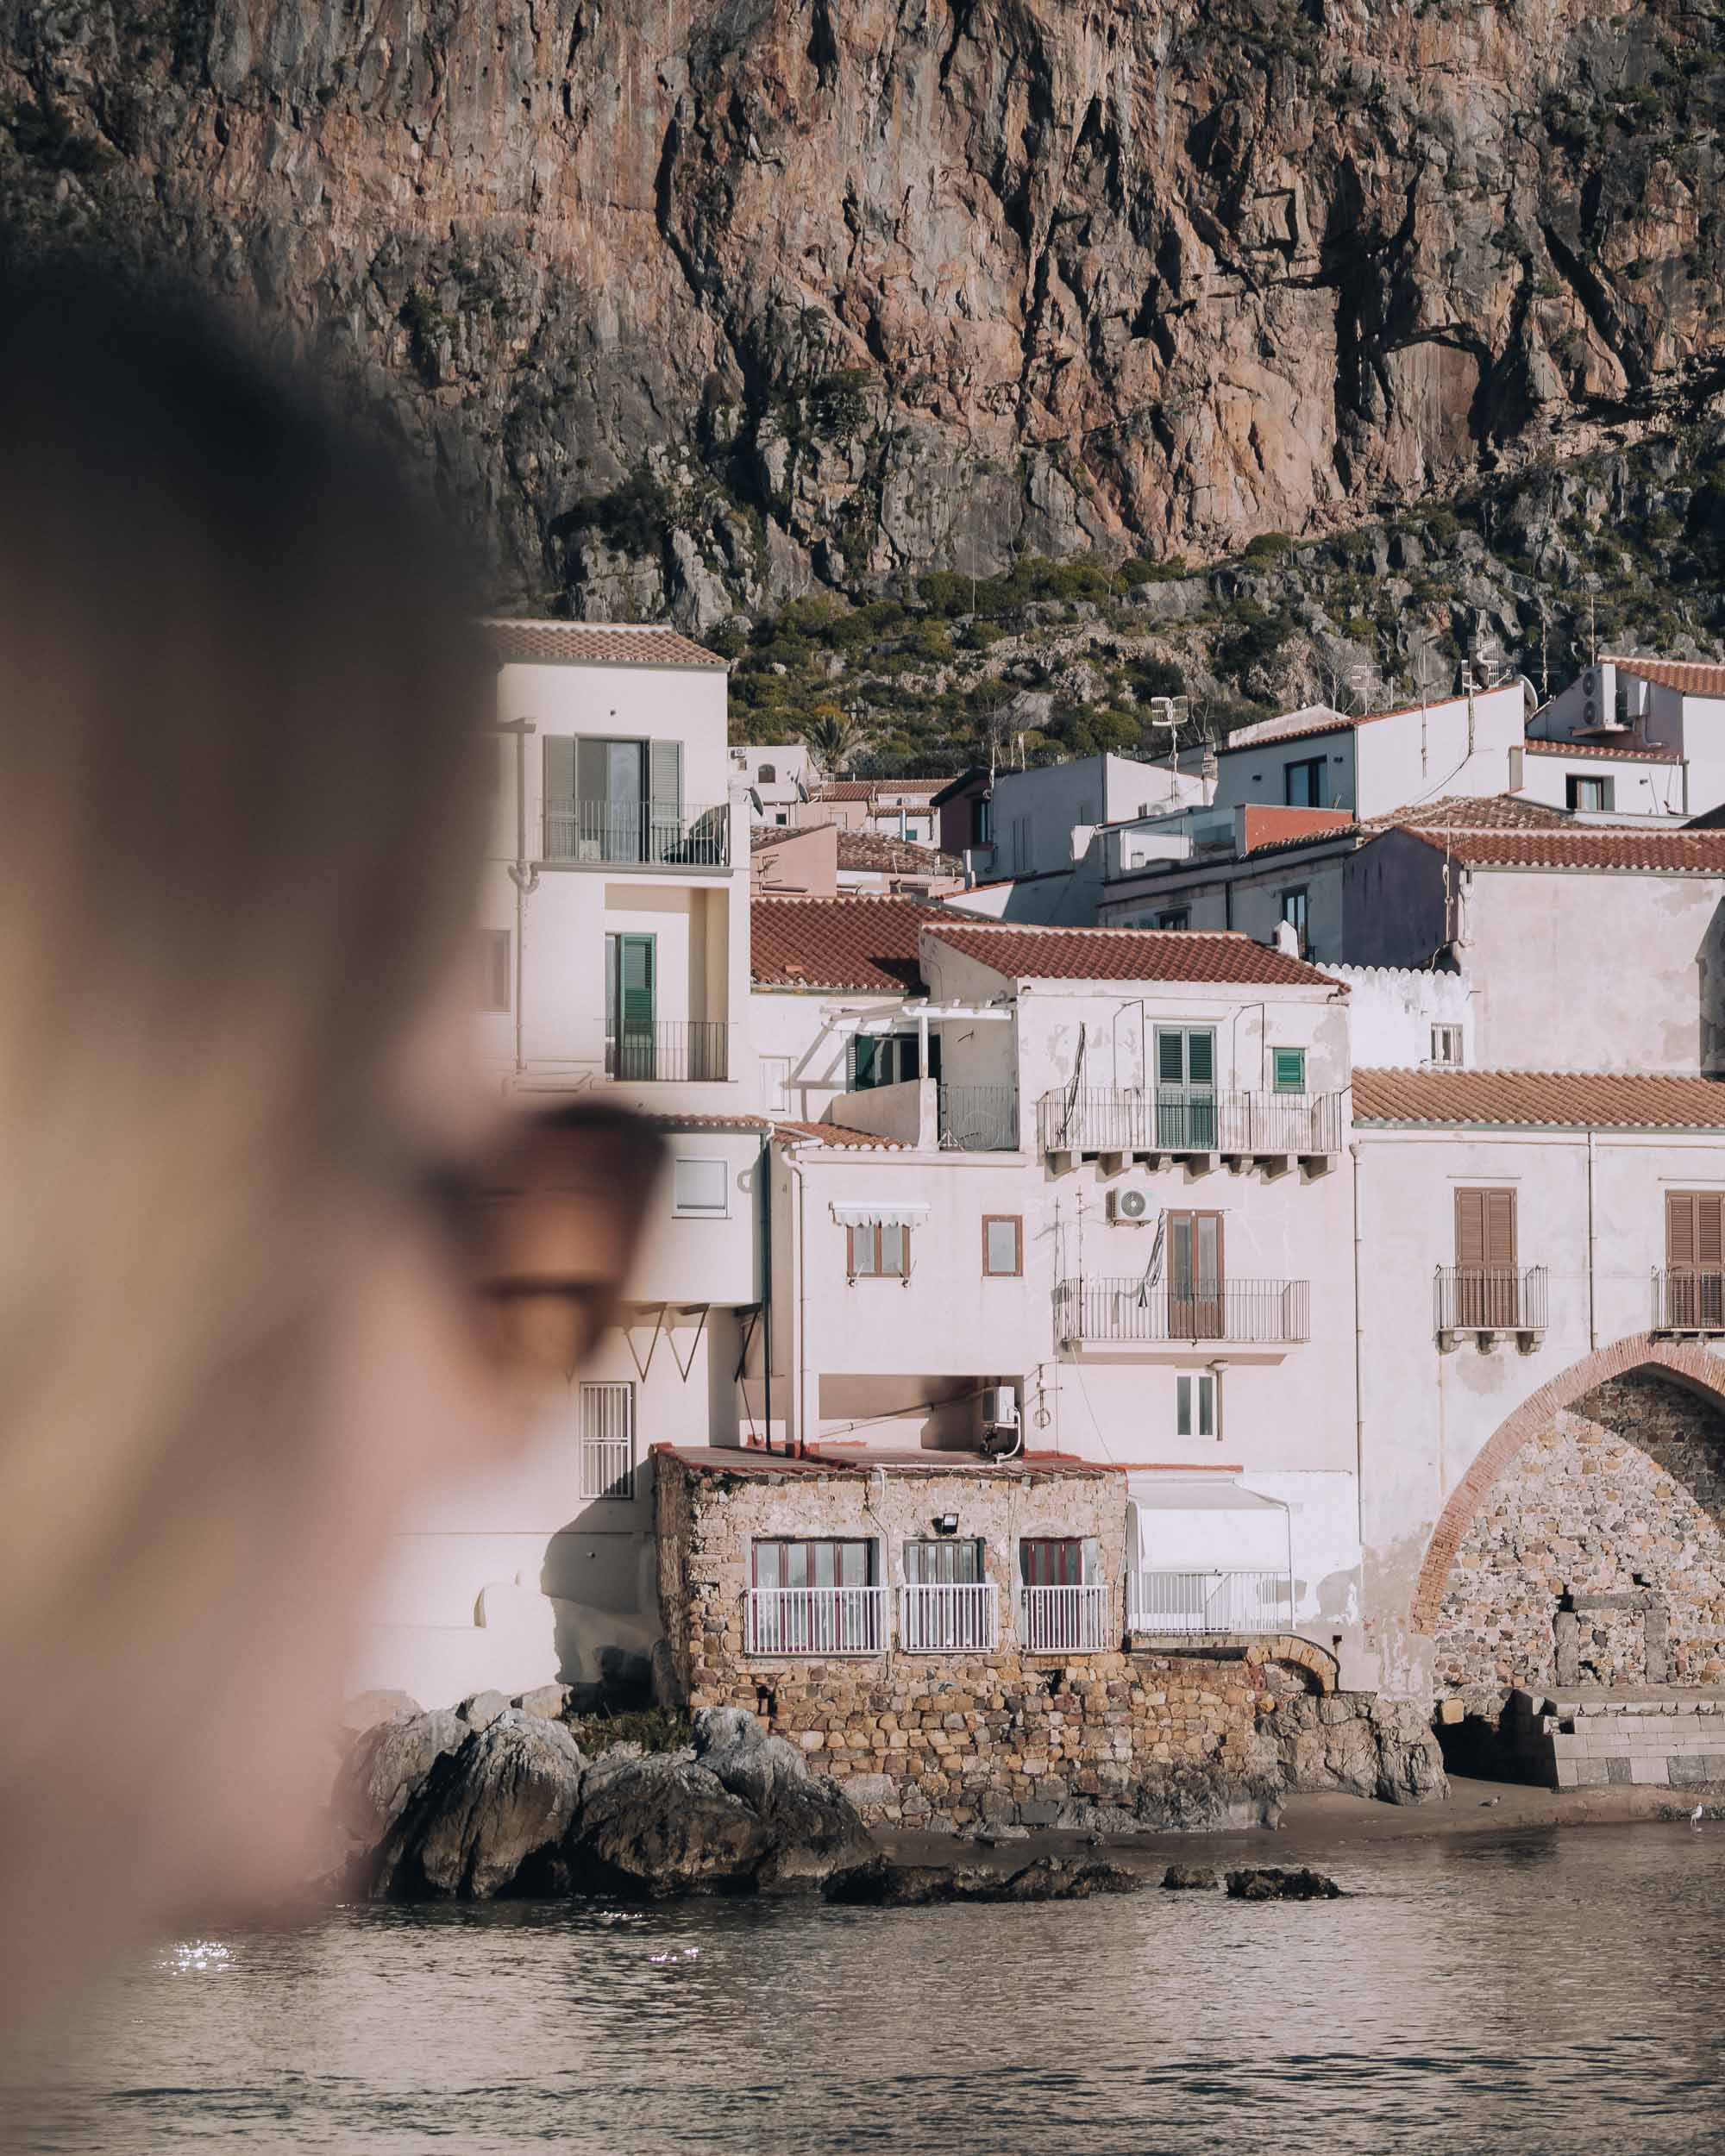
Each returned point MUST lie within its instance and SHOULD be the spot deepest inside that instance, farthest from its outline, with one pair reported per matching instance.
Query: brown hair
(242, 713)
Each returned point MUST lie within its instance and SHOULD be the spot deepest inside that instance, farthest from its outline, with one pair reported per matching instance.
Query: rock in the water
(490, 1819)
(883, 1885)
(1190, 1878)
(365, 1709)
(662, 1825)
(482, 1709)
(386, 1768)
(1268, 1883)
(1358, 1742)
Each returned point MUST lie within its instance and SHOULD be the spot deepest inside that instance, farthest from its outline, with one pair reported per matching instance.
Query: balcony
(979, 1119)
(1491, 1300)
(1265, 1312)
(1689, 1299)
(1064, 1619)
(669, 1051)
(638, 835)
(1181, 1604)
(1183, 1120)
(959, 1617)
(816, 1620)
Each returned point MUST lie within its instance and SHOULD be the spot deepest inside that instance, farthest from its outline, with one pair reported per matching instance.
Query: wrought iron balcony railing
(645, 834)
(1163, 1120)
(1490, 1298)
(979, 1119)
(1689, 1299)
(668, 1051)
(1268, 1311)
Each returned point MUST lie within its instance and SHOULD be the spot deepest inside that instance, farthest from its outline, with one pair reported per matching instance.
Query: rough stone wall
(949, 1742)
(1617, 1507)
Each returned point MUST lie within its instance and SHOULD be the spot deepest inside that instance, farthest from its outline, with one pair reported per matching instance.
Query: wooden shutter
(560, 769)
(1201, 1059)
(1170, 1059)
(1485, 1228)
(635, 968)
(1694, 1230)
(665, 779)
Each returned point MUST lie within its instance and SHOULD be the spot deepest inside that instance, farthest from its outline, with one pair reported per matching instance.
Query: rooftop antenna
(1360, 679)
(1170, 714)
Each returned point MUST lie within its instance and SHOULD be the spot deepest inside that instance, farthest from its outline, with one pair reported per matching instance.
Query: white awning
(880, 1214)
(1206, 1523)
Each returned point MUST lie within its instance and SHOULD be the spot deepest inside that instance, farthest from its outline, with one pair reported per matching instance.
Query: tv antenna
(1361, 679)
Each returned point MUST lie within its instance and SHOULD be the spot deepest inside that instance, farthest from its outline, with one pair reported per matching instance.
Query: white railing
(949, 1617)
(817, 1619)
(1209, 1601)
(1064, 1619)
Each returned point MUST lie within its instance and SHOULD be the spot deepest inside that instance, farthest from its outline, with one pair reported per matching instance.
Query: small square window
(1195, 1405)
(1447, 1045)
(1002, 1244)
(701, 1187)
(1588, 793)
(1176, 916)
(1288, 1068)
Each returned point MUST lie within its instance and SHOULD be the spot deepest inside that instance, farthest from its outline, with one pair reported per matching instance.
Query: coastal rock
(661, 1825)
(547, 1701)
(1199, 1800)
(386, 1767)
(490, 1819)
(482, 1709)
(1190, 1878)
(1362, 1744)
(365, 1709)
(1269, 1883)
(883, 1885)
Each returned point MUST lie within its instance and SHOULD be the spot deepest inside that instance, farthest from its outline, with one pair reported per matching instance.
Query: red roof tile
(836, 1134)
(1266, 826)
(1693, 676)
(1593, 846)
(594, 643)
(1125, 954)
(884, 791)
(1570, 1100)
(1602, 748)
(879, 853)
(848, 943)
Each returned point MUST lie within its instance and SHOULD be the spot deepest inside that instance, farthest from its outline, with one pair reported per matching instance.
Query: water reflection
(1538, 1991)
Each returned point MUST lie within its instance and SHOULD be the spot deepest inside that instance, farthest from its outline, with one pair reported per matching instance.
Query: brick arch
(1684, 1360)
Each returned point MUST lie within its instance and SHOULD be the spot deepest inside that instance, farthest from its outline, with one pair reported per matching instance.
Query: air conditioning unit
(1589, 681)
(1131, 1208)
(1000, 1408)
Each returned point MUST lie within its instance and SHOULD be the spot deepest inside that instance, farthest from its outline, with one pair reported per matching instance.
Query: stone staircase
(1667, 1735)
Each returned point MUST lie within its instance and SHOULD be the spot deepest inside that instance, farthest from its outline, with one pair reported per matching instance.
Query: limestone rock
(481, 1709)
(386, 1768)
(1270, 1884)
(545, 1700)
(489, 1819)
(661, 1825)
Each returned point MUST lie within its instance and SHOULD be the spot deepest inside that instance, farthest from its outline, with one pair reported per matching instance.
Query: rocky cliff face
(710, 304)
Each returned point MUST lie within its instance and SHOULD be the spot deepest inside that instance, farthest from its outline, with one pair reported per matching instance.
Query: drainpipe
(765, 1173)
(1358, 1366)
(524, 878)
(800, 1354)
(1592, 1314)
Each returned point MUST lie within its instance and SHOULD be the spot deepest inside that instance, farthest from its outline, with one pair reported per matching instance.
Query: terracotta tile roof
(1125, 954)
(1602, 748)
(595, 643)
(738, 1122)
(1592, 846)
(1475, 813)
(878, 789)
(1266, 826)
(1693, 676)
(878, 851)
(1568, 1100)
(848, 943)
(716, 1459)
(835, 1134)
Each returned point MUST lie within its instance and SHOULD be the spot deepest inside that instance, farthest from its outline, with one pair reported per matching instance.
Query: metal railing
(1160, 1120)
(834, 1620)
(608, 1467)
(1128, 1310)
(956, 1618)
(1490, 1298)
(1064, 1619)
(1689, 1299)
(669, 1050)
(1209, 1601)
(657, 834)
(979, 1119)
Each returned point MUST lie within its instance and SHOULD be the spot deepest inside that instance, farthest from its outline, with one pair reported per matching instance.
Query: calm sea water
(1529, 1992)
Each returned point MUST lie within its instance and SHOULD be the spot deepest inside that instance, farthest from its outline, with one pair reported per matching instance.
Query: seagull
(1698, 1815)
(1486, 1802)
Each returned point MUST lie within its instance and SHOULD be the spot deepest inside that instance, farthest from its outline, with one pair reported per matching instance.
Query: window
(1186, 1088)
(1589, 793)
(782, 816)
(949, 1608)
(494, 957)
(1447, 1045)
(1307, 784)
(766, 775)
(1296, 912)
(1051, 1561)
(1194, 1275)
(1176, 916)
(1063, 1603)
(1002, 1244)
(699, 1186)
(775, 1084)
(985, 820)
(607, 1440)
(1694, 1258)
(631, 1035)
(888, 1059)
(814, 1597)
(947, 1562)
(611, 800)
(880, 1249)
(1486, 1298)
(1287, 1069)
(1195, 1405)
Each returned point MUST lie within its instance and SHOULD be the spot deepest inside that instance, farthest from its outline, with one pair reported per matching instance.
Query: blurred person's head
(239, 824)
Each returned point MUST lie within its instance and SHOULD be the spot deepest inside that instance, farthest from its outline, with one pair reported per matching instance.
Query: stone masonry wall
(1111, 1739)
(1617, 1509)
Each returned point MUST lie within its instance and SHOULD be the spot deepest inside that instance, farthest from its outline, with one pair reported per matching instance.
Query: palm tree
(831, 735)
